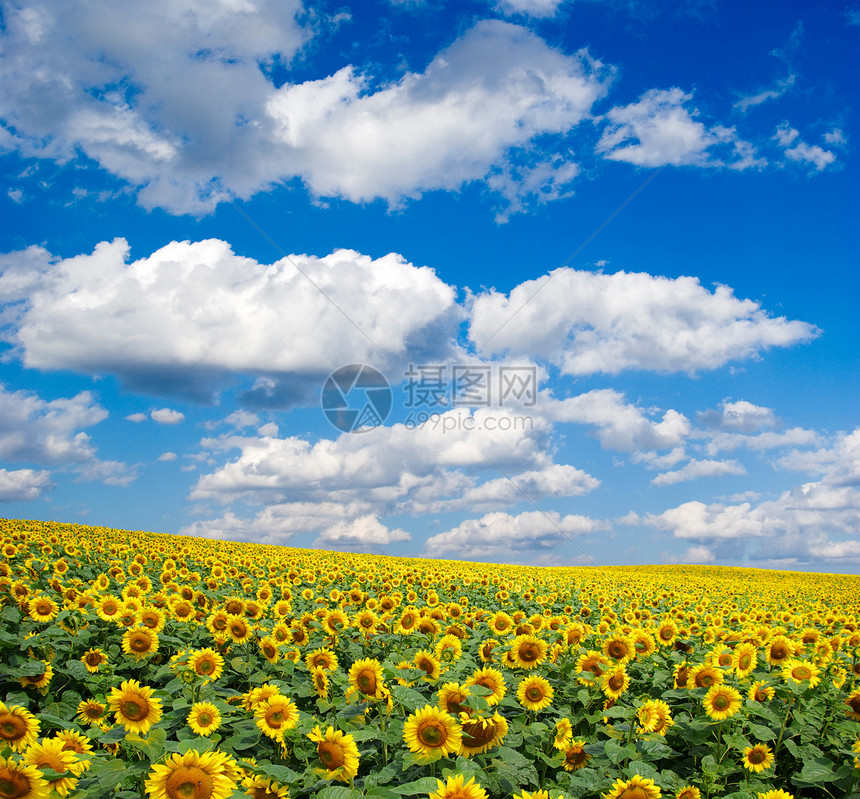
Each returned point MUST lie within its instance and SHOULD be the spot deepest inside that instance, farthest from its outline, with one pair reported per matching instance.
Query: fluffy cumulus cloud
(800, 152)
(590, 322)
(699, 468)
(366, 533)
(23, 484)
(618, 424)
(167, 416)
(813, 523)
(88, 80)
(531, 8)
(661, 129)
(501, 535)
(47, 432)
(385, 465)
(193, 312)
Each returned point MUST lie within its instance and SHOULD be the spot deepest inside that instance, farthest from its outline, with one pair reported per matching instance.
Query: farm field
(145, 665)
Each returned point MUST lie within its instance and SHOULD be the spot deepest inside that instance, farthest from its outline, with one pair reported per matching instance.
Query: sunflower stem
(778, 744)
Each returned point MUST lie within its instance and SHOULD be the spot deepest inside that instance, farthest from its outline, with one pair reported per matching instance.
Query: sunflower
(688, 792)
(853, 705)
(365, 678)
(448, 649)
(337, 752)
(535, 693)
(500, 623)
(258, 787)
(535, 795)
(450, 698)
(151, 618)
(335, 622)
(704, 676)
(51, 753)
(192, 775)
(42, 608)
(276, 715)
(798, 671)
(780, 650)
(108, 608)
(134, 706)
(481, 735)
(319, 677)
(652, 716)
(491, 679)
(575, 756)
(527, 651)
(93, 659)
(19, 728)
(425, 660)
(563, 733)
(90, 712)
(681, 673)
(140, 642)
(619, 647)
(635, 788)
(667, 632)
(75, 742)
(217, 623)
(269, 649)
(721, 702)
(256, 696)
(366, 621)
(745, 659)
(760, 691)
(432, 730)
(614, 683)
(594, 662)
(757, 758)
(408, 621)
(238, 630)
(455, 787)
(485, 651)
(206, 663)
(23, 780)
(39, 680)
(204, 718)
(776, 793)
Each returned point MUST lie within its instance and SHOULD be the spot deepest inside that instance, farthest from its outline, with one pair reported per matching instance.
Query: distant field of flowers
(141, 665)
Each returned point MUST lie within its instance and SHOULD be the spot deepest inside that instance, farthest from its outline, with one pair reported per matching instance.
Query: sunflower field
(138, 665)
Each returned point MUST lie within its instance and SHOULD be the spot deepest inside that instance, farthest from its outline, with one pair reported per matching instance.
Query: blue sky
(643, 212)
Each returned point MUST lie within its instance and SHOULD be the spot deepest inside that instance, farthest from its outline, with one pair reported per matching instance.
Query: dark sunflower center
(331, 755)
(204, 719)
(476, 733)
(367, 682)
(134, 708)
(94, 659)
(634, 792)
(12, 728)
(617, 650)
(534, 693)
(575, 756)
(275, 718)
(432, 735)
(721, 702)
(529, 652)
(13, 784)
(756, 756)
(854, 702)
(801, 673)
(205, 666)
(616, 682)
(744, 661)
(140, 643)
(189, 782)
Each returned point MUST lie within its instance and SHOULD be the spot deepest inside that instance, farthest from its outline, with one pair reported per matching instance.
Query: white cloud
(589, 322)
(167, 416)
(88, 79)
(364, 534)
(190, 314)
(740, 416)
(531, 8)
(782, 86)
(16, 195)
(47, 432)
(839, 462)
(502, 535)
(799, 151)
(23, 484)
(659, 129)
(557, 481)
(696, 469)
(810, 523)
(136, 417)
(619, 425)
(796, 436)
(167, 457)
(391, 467)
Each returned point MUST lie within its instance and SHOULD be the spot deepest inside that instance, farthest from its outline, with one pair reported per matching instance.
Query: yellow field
(137, 664)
